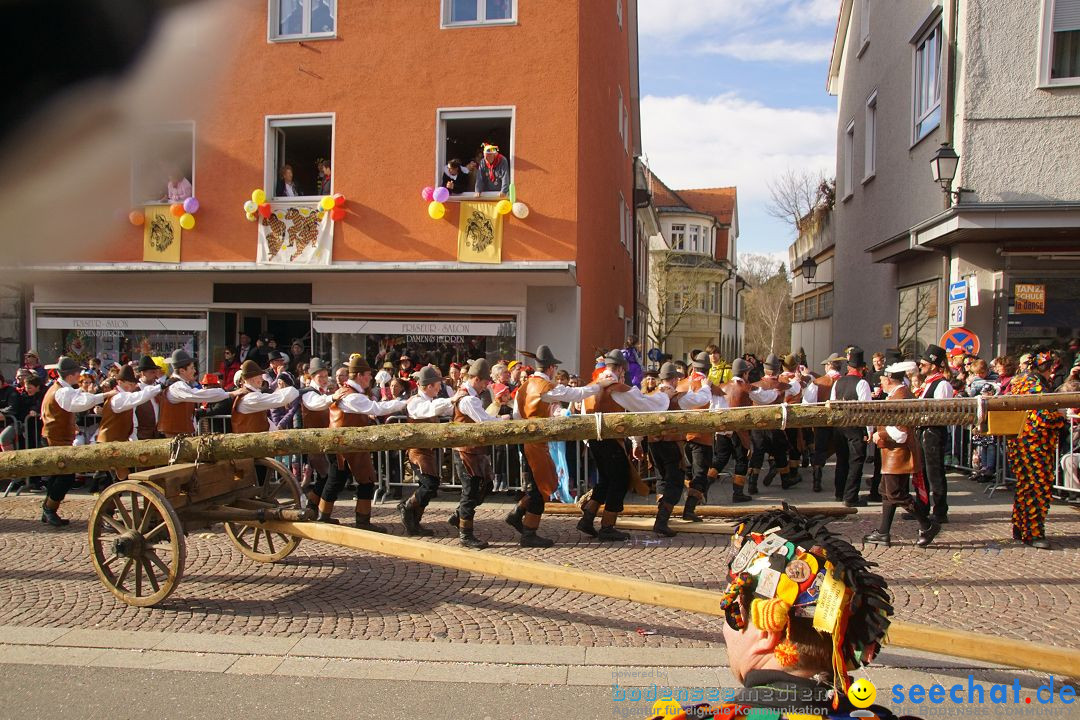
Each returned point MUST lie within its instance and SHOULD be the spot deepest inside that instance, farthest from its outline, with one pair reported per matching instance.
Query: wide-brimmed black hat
(545, 358)
(934, 354)
(701, 361)
(856, 358)
(276, 355)
(147, 363)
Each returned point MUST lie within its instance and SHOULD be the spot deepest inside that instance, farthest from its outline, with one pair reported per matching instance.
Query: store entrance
(283, 325)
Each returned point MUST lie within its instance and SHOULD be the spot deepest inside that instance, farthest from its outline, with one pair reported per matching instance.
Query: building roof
(718, 202)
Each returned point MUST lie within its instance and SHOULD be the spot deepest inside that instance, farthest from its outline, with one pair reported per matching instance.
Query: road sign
(961, 337)
(654, 354)
(958, 291)
(957, 314)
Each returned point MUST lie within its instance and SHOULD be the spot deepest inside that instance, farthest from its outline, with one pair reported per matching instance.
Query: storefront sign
(119, 325)
(418, 328)
(449, 339)
(1030, 299)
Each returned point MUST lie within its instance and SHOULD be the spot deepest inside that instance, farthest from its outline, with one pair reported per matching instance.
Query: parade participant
(612, 465)
(533, 400)
(793, 374)
(802, 610)
(119, 408)
(880, 361)
(62, 400)
(664, 448)
(493, 175)
(852, 386)
(146, 414)
(250, 403)
(351, 407)
(933, 439)
(769, 390)
(315, 399)
(719, 370)
(424, 407)
(826, 439)
(473, 463)
(735, 444)
(700, 447)
(1031, 455)
(176, 407)
(899, 461)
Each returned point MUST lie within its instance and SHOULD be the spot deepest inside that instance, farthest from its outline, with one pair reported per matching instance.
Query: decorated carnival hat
(615, 358)
(935, 355)
(1043, 359)
(789, 574)
(480, 368)
(490, 148)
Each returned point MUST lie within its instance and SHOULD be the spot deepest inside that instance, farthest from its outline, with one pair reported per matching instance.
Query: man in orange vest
(146, 415)
(826, 439)
(424, 407)
(62, 400)
(251, 403)
(176, 409)
(118, 411)
(315, 403)
(534, 399)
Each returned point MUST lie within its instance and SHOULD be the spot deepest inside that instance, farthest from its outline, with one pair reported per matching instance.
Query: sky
(733, 93)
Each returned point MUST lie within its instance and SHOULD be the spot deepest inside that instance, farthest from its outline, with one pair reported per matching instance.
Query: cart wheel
(137, 543)
(280, 487)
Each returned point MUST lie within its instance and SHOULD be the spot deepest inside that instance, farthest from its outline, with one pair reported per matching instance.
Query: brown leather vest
(772, 383)
(313, 418)
(529, 402)
(57, 424)
(673, 406)
(738, 394)
(359, 462)
(115, 426)
(460, 417)
(603, 402)
(243, 422)
(147, 427)
(899, 458)
(693, 384)
(825, 382)
(424, 458)
(175, 418)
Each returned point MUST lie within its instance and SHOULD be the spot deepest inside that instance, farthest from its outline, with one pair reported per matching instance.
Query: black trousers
(848, 487)
(474, 489)
(875, 479)
(335, 481)
(822, 437)
(773, 442)
(428, 486)
(933, 441)
(57, 486)
(700, 459)
(667, 461)
(728, 447)
(613, 473)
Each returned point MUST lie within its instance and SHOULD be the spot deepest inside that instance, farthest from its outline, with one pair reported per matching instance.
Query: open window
(462, 134)
(478, 12)
(298, 150)
(163, 164)
(303, 19)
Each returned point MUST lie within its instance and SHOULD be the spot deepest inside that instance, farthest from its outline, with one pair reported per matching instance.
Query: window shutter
(1066, 15)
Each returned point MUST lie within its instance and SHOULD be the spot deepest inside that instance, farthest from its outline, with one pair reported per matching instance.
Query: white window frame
(468, 113)
(629, 226)
(864, 26)
(622, 219)
(625, 131)
(140, 202)
(481, 9)
(273, 15)
(693, 238)
(618, 12)
(678, 237)
(870, 139)
(270, 167)
(849, 160)
(934, 28)
(621, 124)
(1046, 51)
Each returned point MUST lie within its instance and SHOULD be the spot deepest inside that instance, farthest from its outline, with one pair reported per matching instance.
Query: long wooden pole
(395, 436)
(955, 643)
(730, 512)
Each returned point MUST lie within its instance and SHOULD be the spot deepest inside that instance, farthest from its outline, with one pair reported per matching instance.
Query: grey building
(998, 83)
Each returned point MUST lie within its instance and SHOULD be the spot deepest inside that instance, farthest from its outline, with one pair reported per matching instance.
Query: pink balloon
(440, 195)
(427, 193)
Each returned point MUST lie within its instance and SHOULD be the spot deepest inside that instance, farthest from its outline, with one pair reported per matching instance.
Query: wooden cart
(137, 526)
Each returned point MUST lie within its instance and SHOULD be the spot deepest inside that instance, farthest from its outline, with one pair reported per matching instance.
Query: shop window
(478, 12)
(119, 336)
(302, 19)
(296, 148)
(918, 326)
(927, 85)
(462, 134)
(1061, 42)
(163, 164)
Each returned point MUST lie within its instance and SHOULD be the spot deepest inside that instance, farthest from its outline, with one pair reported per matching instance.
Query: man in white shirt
(118, 411)
(734, 444)
(251, 403)
(424, 407)
(934, 440)
(146, 415)
(62, 400)
(853, 387)
(315, 400)
(351, 407)
(770, 390)
(176, 407)
(820, 390)
(700, 446)
(534, 400)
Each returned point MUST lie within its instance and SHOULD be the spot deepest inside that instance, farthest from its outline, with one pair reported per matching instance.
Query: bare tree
(795, 195)
(767, 305)
(677, 282)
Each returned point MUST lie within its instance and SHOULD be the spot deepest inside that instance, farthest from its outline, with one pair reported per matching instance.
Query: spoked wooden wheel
(137, 543)
(280, 488)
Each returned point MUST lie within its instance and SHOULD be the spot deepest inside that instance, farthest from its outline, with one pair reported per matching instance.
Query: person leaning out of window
(493, 175)
(286, 186)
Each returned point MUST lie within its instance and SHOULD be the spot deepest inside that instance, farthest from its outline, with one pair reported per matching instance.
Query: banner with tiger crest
(295, 235)
(161, 235)
(479, 233)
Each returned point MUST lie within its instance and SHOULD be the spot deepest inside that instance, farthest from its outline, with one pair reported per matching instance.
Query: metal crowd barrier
(27, 436)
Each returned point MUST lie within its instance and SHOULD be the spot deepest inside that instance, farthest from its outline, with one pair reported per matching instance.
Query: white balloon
(520, 210)
(250, 206)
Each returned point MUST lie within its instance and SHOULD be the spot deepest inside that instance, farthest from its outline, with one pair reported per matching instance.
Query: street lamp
(943, 167)
(809, 271)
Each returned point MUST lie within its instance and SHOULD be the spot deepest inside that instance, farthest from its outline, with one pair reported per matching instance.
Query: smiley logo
(862, 693)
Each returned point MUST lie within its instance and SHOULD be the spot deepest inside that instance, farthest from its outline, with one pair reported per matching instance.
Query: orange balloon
(136, 218)
(177, 209)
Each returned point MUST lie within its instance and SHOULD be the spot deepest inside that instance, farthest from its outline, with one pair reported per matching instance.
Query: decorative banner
(479, 233)
(292, 235)
(161, 235)
(1030, 299)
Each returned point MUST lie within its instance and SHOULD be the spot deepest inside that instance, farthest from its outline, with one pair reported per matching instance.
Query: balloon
(436, 210)
(251, 206)
(265, 210)
(521, 210)
(337, 214)
(258, 196)
(440, 195)
(177, 209)
(191, 205)
(427, 193)
(187, 221)
(513, 194)
(339, 199)
(503, 207)
(250, 216)
(327, 203)
(136, 218)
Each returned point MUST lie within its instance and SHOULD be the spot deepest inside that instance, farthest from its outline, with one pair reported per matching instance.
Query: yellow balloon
(258, 196)
(503, 207)
(436, 210)
(327, 203)
(187, 221)
(250, 217)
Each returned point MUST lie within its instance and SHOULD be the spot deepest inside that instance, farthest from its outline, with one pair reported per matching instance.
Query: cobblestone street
(973, 578)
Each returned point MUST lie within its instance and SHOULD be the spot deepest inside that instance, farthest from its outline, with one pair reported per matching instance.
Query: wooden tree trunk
(209, 448)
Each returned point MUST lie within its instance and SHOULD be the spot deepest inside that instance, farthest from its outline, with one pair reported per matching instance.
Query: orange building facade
(387, 92)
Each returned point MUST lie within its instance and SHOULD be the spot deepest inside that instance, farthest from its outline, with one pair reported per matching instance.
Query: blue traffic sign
(958, 291)
(655, 354)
